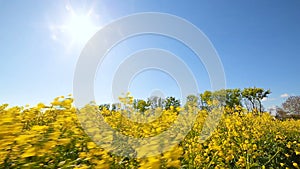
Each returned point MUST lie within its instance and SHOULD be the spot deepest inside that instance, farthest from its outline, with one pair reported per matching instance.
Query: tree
(106, 106)
(280, 113)
(114, 107)
(191, 100)
(254, 96)
(220, 97)
(155, 102)
(141, 105)
(233, 98)
(171, 101)
(292, 105)
(228, 97)
(205, 98)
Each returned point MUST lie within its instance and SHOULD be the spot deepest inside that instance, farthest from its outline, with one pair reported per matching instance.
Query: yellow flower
(152, 163)
(63, 141)
(39, 128)
(288, 145)
(175, 164)
(178, 109)
(91, 145)
(29, 152)
(40, 105)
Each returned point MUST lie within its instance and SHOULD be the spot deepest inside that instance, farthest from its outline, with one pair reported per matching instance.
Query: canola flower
(51, 136)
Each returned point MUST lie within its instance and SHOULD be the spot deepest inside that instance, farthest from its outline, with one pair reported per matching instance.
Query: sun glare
(80, 28)
(77, 28)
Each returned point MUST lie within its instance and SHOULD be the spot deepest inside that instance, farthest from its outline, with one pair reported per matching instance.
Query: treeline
(143, 105)
(249, 98)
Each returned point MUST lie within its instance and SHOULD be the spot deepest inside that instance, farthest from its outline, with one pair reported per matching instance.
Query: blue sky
(258, 43)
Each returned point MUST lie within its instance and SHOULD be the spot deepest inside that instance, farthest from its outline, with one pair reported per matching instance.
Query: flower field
(52, 136)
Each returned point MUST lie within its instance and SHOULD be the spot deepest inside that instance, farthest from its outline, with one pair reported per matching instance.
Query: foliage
(141, 105)
(171, 102)
(250, 98)
(255, 96)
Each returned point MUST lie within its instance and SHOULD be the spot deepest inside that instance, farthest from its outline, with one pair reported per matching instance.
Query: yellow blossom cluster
(53, 136)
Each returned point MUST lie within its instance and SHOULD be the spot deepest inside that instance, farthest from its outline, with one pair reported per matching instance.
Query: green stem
(272, 157)
(212, 159)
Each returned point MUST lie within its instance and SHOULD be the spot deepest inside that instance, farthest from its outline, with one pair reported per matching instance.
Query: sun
(80, 28)
(76, 28)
